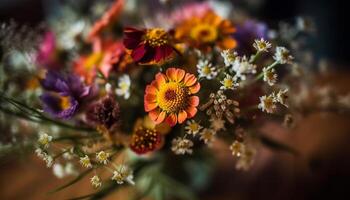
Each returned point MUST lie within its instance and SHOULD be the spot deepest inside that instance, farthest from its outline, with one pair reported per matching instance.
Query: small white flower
(123, 89)
(182, 146)
(58, 170)
(70, 169)
(267, 104)
(282, 56)
(262, 45)
(229, 83)
(217, 124)
(192, 127)
(96, 181)
(102, 157)
(108, 87)
(123, 174)
(85, 161)
(270, 76)
(40, 153)
(241, 67)
(229, 57)
(206, 70)
(49, 161)
(207, 135)
(281, 97)
(44, 140)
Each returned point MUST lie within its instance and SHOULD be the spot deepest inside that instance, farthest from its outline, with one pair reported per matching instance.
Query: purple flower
(64, 94)
(47, 54)
(247, 33)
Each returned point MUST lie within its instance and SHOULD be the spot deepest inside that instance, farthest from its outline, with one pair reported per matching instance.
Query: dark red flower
(148, 46)
(145, 140)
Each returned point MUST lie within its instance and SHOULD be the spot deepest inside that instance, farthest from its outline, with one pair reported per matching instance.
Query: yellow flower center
(65, 103)
(228, 83)
(206, 70)
(194, 127)
(93, 60)
(156, 37)
(172, 97)
(204, 33)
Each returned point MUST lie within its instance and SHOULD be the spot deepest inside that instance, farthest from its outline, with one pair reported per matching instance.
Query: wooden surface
(322, 138)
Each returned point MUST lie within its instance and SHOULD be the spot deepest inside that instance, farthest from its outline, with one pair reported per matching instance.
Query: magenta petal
(138, 53)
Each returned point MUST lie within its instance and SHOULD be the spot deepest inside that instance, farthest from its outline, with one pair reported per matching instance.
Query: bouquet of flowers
(126, 94)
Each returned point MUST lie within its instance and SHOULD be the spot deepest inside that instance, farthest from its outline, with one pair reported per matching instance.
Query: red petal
(138, 53)
(171, 120)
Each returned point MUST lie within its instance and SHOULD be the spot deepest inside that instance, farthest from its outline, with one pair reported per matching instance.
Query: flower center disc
(156, 37)
(172, 97)
(204, 33)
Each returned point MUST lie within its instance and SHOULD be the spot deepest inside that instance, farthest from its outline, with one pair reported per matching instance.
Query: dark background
(330, 17)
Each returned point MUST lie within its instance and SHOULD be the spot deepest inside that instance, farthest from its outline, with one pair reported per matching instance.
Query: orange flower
(106, 19)
(206, 31)
(106, 54)
(170, 97)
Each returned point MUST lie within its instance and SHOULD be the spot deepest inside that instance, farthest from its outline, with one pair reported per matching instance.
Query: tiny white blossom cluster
(124, 84)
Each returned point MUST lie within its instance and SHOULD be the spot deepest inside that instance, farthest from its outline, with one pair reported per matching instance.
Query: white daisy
(102, 157)
(242, 67)
(182, 146)
(205, 69)
(229, 57)
(123, 89)
(96, 181)
(192, 127)
(282, 55)
(85, 161)
(267, 104)
(281, 97)
(229, 83)
(270, 76)
(44, 140)
(123, 174)
(262, 45)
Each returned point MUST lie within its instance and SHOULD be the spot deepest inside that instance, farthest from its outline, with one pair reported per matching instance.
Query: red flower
(148, 46)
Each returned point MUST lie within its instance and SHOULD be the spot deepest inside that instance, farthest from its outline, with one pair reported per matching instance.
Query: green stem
(261, 75)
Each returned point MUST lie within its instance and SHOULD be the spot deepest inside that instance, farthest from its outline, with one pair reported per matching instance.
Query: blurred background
(321, 171)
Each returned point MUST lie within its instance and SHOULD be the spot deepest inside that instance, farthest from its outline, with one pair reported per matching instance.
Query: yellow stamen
(156, 37)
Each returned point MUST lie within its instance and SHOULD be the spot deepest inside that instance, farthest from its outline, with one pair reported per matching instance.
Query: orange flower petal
(150, 98)
(180, 74)
(191, 112)
(228, 43)
(182, 116)
(150, 89)
(161, 79)
(171, 73)
(194, 89)
(171, 120)
(160, 118)
(150, 106)
(194, 101)
(190, 79)
(154, 114)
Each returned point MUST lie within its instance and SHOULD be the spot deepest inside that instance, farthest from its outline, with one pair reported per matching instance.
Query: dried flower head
(207, 135)
(219, 106)
(145, 140)
(245, 161)
(281, 97)
(217, 124)
(181, 146)
(105, 112)
(237, 148)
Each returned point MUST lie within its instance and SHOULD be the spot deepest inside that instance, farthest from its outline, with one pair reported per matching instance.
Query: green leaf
(78, 178)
